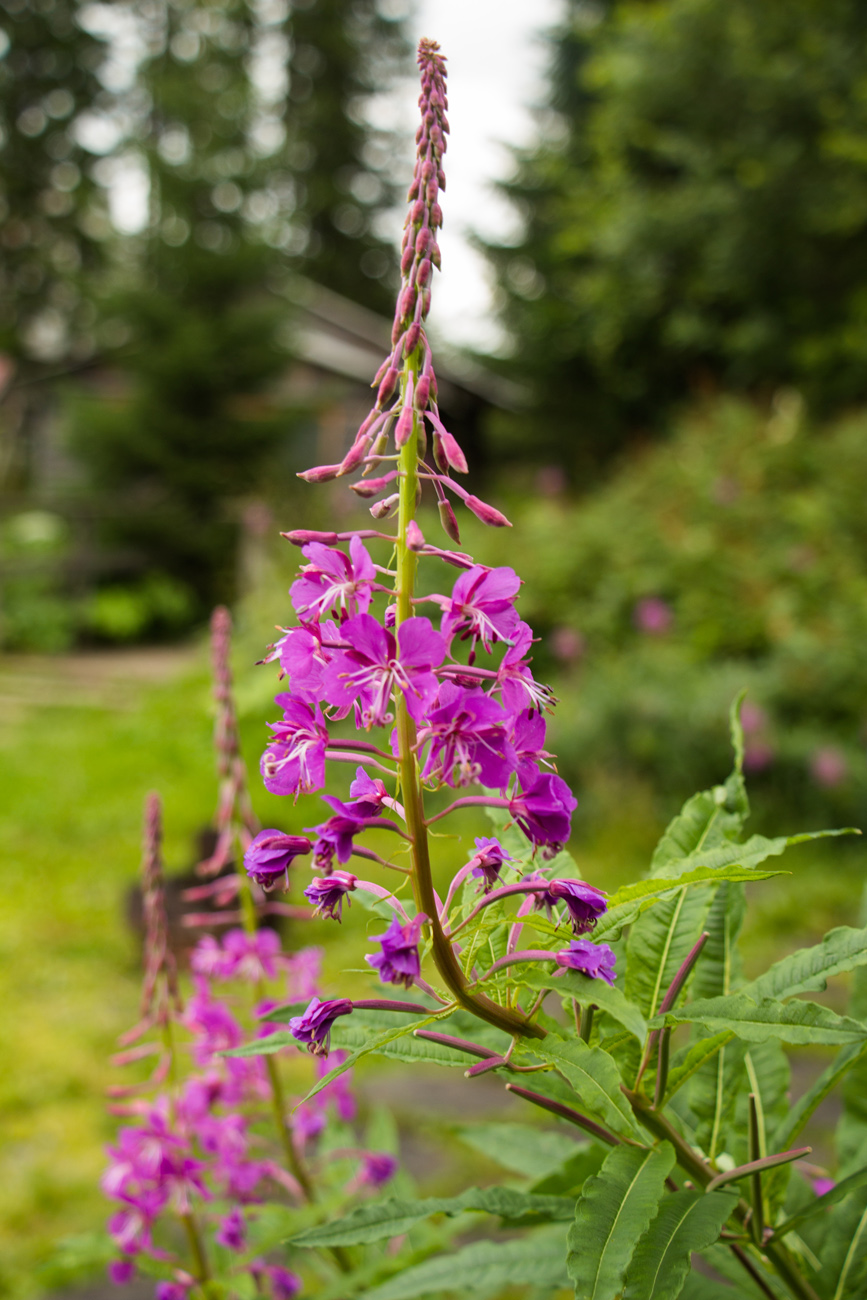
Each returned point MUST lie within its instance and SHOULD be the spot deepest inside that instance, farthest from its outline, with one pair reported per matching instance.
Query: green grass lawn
(74, 777)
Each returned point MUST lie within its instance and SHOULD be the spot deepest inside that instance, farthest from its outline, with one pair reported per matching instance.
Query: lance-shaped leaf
(612, 1213)
(689, 1060)
(391, 1217)
(809, 969)
(837, 1193)
(659, 943)
(789, 1128)
(791, 1022)
(483, 1266)
(630, 901)
(595, 1079)
(687, 1221)
(525, 1149)
(587, 992)
(750, 854)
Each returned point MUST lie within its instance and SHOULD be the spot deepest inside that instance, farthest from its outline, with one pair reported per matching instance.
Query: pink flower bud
(383, 509)
(422, 393)
(410, 343)
(447, 451)
(413, 189)
(422, 240)
(371, 487)
(486, 513)
(414, 536)
(427, 170)
(355, 455)
(407, 301)
(423, 272)
(449, 521)
(403, 432)
(320, 473)
(416, 212)
(388, 385)
(436, 215)
(301, 536)
(380, 443)
(436, 256)
(406, 260)
(431, 192)
(441, 177)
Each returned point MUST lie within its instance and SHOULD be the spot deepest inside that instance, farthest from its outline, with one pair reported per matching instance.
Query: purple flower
(215, 1028)
(544, 810)
(121, 1271)
(468, 740)
(372, 791)
(481, 606)
(487, 861)
(828, 766)
(304, 654)
(284, 1284)
(398, 963)
(333, 579)
(327, 893)
(313, 1029)
(294, 762)
(131, 1227)
(377, 1169)
(252, 957)
(823, 1185)
(518, 688)
(171, 1291)
(208, 959)
(232, 1230)
(337, 833)
(652, 616)
(271, 854)
(583, 903)
(528, 741)
(593, 959)
(376, 665)
(304, 969)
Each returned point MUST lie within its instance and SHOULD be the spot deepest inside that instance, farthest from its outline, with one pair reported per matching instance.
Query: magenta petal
(369, 639)
(420, 645)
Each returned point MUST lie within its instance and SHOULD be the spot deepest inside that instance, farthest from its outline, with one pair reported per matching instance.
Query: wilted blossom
(271, 854)
(335, 836)
(487, 861)
(327, 893)
(399, 963)
(544, 810)
(593, 959)
(294, 762)
(376, 664)
(333, 579)
(284, 1283)
(583, 903)
(313, 1028)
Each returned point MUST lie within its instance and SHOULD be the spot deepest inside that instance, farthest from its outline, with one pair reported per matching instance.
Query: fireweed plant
(627, 1017)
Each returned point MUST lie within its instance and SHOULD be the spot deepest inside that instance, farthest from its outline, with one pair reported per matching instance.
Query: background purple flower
(652, 616)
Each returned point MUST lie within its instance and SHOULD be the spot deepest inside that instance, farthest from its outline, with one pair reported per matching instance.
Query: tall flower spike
(157, 994)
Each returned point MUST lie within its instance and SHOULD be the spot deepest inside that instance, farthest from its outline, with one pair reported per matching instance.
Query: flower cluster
(450, 691)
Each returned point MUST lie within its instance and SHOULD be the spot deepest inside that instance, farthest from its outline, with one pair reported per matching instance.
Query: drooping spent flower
(327, 893)
(313, 1028)
(377, 1169)
(399, 962)
(584, 903)
(544, 810)
(487, 861)
(593, 959)
(271, 854)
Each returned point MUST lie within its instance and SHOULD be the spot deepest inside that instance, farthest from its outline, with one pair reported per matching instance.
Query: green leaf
(613, 1211)
(595, 1078)
(587, 992)
(523, 1148)
(844, 1252)
(631, 900)
(809, 969)
(570, 1177)
(688, 1060)
(686, 1221)
(749, 854)
(483, 1266)
(391, 1217)
(659, 943)
(792, 1022)
(374, 1044)
(418, 1051)
(789, 1129)
(821, 1203)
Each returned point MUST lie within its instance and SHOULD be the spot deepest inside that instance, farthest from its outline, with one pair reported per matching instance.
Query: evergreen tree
(697, 219)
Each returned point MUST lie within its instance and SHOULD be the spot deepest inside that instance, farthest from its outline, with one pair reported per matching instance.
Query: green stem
(197, 1249)
(410, 780)
(773, 1252)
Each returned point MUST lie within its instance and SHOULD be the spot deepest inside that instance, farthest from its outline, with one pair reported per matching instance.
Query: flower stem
(425, 897)
(197, 1249)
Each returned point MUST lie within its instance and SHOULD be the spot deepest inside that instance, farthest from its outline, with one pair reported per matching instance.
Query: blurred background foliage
(685, 312)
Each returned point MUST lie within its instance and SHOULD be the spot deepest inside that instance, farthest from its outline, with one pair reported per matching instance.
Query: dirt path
(104, 679)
